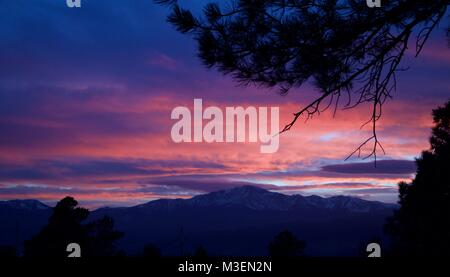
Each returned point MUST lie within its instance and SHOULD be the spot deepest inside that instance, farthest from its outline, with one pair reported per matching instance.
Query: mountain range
(236, 222)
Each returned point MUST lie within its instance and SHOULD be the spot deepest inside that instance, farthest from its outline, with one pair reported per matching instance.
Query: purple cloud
(382, 167)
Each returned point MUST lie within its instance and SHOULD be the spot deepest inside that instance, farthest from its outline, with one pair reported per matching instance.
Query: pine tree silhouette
(421, 226)
(349, 52)
(65, 226)
(151, 251)
(285, 244)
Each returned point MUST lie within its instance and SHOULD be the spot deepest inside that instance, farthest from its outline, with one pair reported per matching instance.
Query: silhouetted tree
(151, 250)
(348, 50)
(421, 226)
(65, 226)
(102, 237)
(200, 252)
(285, 244)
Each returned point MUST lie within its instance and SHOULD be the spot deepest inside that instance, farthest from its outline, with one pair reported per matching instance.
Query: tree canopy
(421, 226)
(350, 52)
(66, 226)
(285, 244)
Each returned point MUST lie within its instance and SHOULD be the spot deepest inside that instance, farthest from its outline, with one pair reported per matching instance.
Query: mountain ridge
(24, 203)
(231, 196)
(237, 222)
(254, 198)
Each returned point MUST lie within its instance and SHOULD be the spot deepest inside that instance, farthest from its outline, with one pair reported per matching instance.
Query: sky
(86, 97)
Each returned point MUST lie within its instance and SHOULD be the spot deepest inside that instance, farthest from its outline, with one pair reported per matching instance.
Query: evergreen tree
(65, 226)
(285, 244)
(421, 226)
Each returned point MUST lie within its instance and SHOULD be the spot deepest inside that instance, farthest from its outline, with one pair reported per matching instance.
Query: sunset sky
(86, 96)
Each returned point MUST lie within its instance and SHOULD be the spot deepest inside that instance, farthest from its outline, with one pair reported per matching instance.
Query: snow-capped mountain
(242, 220)
(20, 220)
(239, 221)
(256, 198)
(27, 204)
